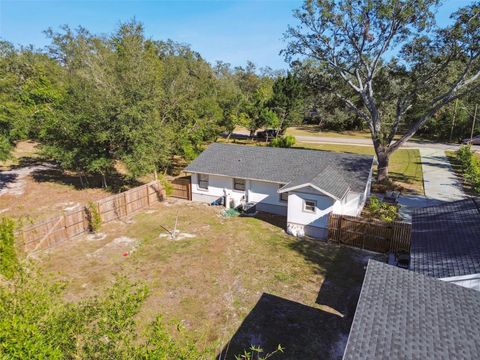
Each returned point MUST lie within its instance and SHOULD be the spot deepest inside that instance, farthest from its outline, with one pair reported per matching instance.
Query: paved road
(313, 139)
(367, 142)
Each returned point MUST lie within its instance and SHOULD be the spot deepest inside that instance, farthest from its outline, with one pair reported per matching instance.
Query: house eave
(301, 186)
(234, 177)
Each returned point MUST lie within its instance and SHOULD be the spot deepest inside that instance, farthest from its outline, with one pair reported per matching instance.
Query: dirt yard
(35, 189)
(231, 282)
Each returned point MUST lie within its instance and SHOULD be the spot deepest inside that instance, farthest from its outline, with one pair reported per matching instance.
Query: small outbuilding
(306, 186)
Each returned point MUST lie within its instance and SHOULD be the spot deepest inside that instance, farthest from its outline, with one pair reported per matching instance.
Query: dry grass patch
(213, 282)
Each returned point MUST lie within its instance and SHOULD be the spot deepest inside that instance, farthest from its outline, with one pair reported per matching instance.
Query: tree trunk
(383, 158)
(252, 133)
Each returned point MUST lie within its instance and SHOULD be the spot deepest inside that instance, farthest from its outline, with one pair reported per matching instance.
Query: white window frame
(201, 179)
(244, 184)
(283, 194)
(305, 206)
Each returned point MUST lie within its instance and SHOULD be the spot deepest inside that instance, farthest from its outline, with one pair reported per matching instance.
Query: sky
(231, 31)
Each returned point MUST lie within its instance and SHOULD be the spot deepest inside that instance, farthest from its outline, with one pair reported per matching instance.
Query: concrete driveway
(440, 182)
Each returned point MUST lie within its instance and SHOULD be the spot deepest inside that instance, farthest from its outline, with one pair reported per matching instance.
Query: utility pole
(453, 120)
(473, 123)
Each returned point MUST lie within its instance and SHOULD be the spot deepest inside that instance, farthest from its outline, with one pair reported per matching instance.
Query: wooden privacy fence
(72, 223)
(369, 234)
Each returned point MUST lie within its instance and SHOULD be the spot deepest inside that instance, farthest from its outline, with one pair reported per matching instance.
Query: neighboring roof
(405, 315)
(446, 239)
(283, 166)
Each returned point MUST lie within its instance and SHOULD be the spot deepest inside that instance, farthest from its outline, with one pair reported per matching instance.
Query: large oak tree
(387, 59)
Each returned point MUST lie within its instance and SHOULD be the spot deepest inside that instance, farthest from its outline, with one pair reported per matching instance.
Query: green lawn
(314, 130)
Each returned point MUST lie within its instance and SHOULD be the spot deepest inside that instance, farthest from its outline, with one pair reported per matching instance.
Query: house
(405, 315)
(303, 185)
(445, 242)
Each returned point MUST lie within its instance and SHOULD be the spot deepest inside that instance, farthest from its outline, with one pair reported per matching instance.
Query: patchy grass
(32, 188)
(239, 279)
(39, 189)
(405, 164)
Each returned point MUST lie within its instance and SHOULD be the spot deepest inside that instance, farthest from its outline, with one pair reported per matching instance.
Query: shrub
(167, 185)
(94, 218)
(382, 211)
(283, 141)
(470, 165)
(8, 256)
(36, 322)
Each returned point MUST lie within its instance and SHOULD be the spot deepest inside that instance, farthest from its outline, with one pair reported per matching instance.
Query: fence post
(125, 201)
(147, 188)
(65, 231)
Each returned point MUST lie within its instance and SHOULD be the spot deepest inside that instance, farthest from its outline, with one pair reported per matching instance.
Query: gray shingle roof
(446, 239)
(405, 315)
(329, 169)
(329, 178)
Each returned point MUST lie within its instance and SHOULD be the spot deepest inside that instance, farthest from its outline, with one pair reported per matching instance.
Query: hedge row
(470, 167)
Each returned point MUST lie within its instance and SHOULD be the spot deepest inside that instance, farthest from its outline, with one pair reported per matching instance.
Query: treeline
(93, 101)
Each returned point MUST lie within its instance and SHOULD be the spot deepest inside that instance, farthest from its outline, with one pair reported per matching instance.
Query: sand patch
(122, 245)
(177, 236)
(96, 237)
(13, 182)
(69, 206)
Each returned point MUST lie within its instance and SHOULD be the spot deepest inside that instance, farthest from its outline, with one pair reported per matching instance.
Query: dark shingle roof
(446, 239)
(285, 165)
(405, 315)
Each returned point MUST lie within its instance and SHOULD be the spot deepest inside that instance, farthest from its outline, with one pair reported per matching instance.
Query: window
(203, 181)
(283, 196)
(239, 184)
(309, 206)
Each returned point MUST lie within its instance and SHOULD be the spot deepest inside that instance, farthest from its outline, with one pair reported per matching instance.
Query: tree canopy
(387, 61)
(93, 101)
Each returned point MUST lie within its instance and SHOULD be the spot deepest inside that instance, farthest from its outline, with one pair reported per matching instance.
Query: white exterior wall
(300, 222)
(352, 204)
(263, 193)
(469, 281)
(216, 186)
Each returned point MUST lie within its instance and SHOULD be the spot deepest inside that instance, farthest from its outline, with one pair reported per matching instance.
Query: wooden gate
(182, 188)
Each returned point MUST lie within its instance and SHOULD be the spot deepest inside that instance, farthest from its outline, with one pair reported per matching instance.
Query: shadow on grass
(52, 173)
(275, 220)
(308, 332)
(274, 320)
(115, 181)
